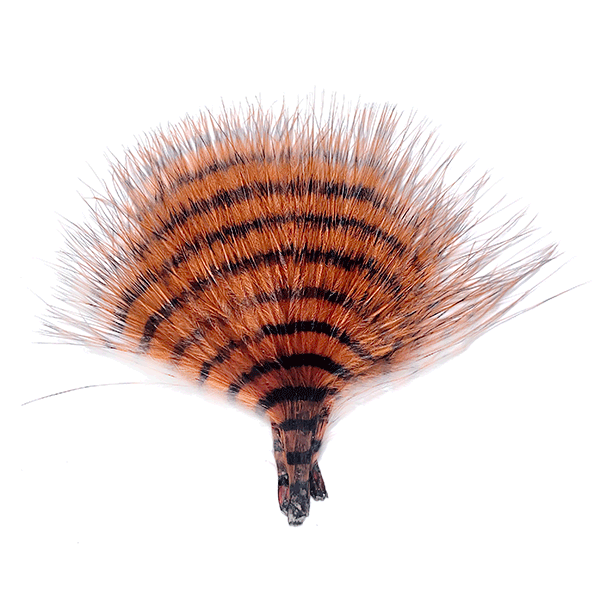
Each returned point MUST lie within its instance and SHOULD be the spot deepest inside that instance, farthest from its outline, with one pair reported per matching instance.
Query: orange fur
(284, 257)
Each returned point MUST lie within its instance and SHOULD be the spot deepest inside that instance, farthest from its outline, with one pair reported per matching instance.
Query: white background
(478, 480)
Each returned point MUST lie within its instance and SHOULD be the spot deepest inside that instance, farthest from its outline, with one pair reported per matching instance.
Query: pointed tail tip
(299, 503)
(296, 520)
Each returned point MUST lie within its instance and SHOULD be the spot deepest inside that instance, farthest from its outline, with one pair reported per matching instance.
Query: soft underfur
(283, 257)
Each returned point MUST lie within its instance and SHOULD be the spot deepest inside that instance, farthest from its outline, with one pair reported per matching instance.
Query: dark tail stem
(296, 443)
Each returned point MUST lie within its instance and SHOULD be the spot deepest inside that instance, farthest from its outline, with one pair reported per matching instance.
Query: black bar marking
(279, 295)
(314, 255)
(300, 293)
(299, 458)
(202, 327)
(230, 234)
(304, 425)
(290, 393)
(321, 327)
(296, 187)
(316, 327)
(303, 457)
(223, 355)
(287, 362)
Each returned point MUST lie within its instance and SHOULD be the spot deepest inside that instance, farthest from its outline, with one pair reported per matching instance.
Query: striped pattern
(279, 258)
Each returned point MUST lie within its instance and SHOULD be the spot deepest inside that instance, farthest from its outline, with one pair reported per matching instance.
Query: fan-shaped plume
(282, 257)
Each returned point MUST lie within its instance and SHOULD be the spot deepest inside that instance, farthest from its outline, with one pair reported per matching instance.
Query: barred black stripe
(257, 190)
(283, 329)
(303, 457)
(315, 255)
(282, 294)
(305, 425)
(294, 393)
(230, 234)
(290, 361)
